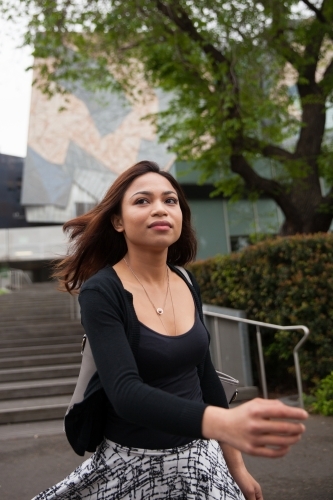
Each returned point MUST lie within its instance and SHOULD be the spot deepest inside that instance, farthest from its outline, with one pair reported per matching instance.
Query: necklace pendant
(159, 310)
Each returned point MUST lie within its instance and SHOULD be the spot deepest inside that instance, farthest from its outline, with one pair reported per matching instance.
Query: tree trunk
(305, 209)
(305, 193)
(308, 215)
(319, 223)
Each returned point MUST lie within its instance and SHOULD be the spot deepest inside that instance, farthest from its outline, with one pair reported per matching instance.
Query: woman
(168, 433)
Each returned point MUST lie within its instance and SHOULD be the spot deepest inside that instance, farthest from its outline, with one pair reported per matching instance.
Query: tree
(229, 68)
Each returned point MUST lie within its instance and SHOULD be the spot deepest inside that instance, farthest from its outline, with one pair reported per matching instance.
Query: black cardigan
(111, 324)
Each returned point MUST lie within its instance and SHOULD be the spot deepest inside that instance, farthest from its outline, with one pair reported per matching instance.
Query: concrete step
(35, 303)
(9, 301)
(41, 341)
(45, 287)
(37, 350)
(39, 372)
(43, 318)
(35, 299)
(33, 409)
(31, 430)
(37, 388)
(43, 312)
(34, 295)
(53, 328)
(40, 358)
(24, 403)
(35, 361)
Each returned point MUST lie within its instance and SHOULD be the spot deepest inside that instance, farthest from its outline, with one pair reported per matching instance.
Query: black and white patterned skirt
(196, 471)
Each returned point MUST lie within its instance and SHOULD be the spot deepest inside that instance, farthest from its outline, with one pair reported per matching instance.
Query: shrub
(286, 281)
(324, 396)
(320, 400)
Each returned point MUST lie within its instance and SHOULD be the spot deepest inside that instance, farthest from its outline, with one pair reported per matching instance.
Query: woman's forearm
(233, 457)
(249, 486)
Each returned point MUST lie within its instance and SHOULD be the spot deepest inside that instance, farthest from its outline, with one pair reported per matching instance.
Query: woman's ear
(117, 223)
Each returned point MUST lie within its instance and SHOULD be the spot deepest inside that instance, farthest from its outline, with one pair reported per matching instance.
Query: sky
(15, 90)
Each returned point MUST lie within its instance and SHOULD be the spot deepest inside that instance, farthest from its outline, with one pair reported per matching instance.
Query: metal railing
(259, 324)
(14, 279)
(74, 306)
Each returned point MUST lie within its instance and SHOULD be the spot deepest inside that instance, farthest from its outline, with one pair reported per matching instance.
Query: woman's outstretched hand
(260, 427)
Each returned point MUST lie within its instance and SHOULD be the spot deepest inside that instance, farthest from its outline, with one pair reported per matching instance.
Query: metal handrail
(74, 306)
(258, 324)
(15, 278)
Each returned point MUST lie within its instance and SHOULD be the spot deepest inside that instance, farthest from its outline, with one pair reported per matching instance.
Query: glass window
(209, 223)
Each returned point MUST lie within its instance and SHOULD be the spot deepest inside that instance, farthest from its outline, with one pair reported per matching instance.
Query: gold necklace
(159, 310)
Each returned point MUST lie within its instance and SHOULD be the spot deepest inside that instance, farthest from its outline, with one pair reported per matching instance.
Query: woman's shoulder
(105, 281)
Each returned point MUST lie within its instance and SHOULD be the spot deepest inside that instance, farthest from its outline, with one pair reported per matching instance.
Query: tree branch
(279, 40)
(320, 16)
(268, 150)
(276, 153)
(254, 182)
(285, 49)
(182, 20)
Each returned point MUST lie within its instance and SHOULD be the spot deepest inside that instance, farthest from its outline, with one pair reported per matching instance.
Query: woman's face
(150, 213)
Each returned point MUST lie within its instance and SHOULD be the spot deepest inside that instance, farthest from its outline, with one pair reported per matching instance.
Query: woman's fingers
(273, 440)
(263, 451)
(272, 408)
(259, 427)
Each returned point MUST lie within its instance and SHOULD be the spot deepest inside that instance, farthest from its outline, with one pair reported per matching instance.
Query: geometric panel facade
(44, 183)
(95, 137)
(108, 110)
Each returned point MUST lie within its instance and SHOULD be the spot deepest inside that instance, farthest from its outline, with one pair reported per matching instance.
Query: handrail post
(71, 307)
(262, 363)
(74, 307)
(298, 379)
(217, 339)
(77, 308)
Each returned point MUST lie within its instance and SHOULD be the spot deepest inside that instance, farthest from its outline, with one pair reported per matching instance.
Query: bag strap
(185, 273)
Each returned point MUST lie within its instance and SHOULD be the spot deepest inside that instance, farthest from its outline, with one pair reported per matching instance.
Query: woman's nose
(159, 208)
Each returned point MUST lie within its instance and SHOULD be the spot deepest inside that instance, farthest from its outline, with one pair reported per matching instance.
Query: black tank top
(170, 364)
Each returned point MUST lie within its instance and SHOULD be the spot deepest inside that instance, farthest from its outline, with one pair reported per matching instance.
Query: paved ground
(35, 456)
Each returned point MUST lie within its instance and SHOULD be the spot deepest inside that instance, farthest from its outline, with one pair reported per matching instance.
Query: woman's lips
(160, 225)
(160, 228)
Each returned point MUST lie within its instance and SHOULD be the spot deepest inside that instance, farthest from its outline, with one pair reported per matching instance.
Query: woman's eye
(141, 201)
(172, 201)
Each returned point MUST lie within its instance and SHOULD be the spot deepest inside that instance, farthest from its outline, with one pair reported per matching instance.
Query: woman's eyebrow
(150, 193)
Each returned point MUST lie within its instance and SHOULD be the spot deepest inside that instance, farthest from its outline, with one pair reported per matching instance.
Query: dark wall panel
(11, 211)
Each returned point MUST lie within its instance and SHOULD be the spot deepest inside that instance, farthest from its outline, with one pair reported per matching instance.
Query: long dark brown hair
(94, 243)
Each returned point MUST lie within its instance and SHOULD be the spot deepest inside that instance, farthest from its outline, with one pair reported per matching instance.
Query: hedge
(286, 281)
(323, 403)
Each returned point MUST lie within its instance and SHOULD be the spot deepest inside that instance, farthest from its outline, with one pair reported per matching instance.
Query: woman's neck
(150, 267)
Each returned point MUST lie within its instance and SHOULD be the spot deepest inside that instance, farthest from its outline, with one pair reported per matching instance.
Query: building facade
(77, 145)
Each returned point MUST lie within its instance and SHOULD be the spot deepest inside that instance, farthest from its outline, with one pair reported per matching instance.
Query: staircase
(40, 357)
